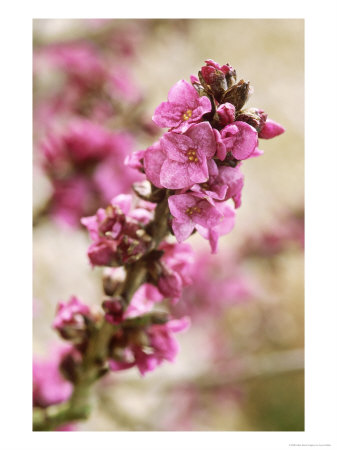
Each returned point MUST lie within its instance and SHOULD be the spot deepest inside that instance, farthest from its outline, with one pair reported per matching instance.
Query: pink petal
(123, 201)
(245, 141)
(182, 230)
(175, 175)
(203, 137)
(154, 158)
(179, 203)
(176, 146)
(168, 115)
(179, 324)
(184, 94)
(198, 172)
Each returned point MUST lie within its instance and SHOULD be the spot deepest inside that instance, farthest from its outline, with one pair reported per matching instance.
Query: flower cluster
(118, 234)
(87, 114)
(90, 81)
(145, 337)
(85, 164)
(199, 158)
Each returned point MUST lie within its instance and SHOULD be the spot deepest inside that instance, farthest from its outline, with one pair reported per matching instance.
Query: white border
(321, 224)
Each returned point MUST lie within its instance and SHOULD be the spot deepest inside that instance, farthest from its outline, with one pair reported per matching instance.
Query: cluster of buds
(119, 235)
(199, 158)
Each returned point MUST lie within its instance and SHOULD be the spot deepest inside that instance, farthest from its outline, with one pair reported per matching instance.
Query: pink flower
(80, 61)
(118, 234)
(234, 180)
(208, 295)
(143, 300)
(215, 187)
(70, 318)
(49, 386)
(85, 164)
(184, 107)
(239, 138)
(156, 345)
(134, 160)
(271, 129)
(122, 86)
(223, 226)
(154, 158)
(181, 160)
(190, 211)
(176, 268)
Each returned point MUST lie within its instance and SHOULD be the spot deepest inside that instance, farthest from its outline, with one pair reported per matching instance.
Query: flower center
(187, 114)
(192, 210)
(205, 185)
(192, 156)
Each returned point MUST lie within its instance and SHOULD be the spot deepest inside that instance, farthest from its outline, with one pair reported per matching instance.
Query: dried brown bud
(254, 117)
(215, 84)
(237, 95)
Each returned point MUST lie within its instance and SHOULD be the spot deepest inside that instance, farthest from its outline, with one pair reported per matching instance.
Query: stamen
(187, 114)
(191, 154)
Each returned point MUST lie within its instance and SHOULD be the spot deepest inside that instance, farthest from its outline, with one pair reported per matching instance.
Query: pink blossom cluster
(85, 163)
(289, 230)
(143, 338)
(199, 158)
(118, 233)
(218, 282)
(92, 82)
(86, 117)
(145, 347)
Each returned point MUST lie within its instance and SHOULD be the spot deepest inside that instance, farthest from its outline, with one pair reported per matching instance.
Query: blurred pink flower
(85, 164)
(223, 226)
(218, 281)
(156, 345)
(118, 234)
(49, 386)
(70, 319)
(176, 264)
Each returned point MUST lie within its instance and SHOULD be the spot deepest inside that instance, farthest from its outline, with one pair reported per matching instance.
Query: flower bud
(271, 129)
(113, 308)
(254, 117)
(226, 113)
(237, 95)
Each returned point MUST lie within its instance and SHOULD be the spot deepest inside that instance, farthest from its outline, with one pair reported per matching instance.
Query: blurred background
(241, 364)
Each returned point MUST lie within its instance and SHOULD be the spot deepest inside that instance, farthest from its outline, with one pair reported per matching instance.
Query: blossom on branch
(183, 108)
